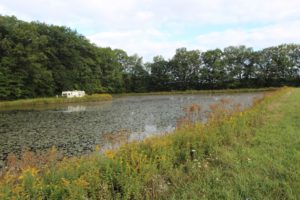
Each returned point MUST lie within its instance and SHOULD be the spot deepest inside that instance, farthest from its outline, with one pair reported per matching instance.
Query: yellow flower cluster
(29, 171)
(109, 153)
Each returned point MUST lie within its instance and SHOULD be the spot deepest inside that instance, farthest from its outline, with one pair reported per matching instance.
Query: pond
(77, 128)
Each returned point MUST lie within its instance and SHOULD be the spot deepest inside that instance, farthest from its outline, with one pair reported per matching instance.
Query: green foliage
(185, 68)
(40, 60)
(160, 74)
(234, 67)
(213, 71)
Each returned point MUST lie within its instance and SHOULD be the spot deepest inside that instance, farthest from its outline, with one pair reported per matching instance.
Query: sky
(158, 27)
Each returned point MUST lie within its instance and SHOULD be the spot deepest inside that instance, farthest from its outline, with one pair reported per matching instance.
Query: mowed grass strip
(263, 164)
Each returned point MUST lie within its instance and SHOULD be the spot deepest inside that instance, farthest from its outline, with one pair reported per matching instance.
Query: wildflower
(109, 153)
(81, 182)
(97, 148)
(66, 183)
(29, 171)
(34, 171)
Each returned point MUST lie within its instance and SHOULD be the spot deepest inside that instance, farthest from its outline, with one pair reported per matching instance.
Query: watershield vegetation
(40, 60)
(231, 156)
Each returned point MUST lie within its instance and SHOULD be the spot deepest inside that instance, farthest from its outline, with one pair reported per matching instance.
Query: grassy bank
(229, 91)
(260, 162)
(52, 100)
(252, 154)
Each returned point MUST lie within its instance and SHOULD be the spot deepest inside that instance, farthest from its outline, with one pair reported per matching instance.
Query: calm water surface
(76, 129)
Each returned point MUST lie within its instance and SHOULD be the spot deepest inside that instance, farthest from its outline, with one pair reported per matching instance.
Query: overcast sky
(158, 27)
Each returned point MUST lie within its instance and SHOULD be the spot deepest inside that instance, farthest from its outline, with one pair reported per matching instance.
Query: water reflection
(75, 108)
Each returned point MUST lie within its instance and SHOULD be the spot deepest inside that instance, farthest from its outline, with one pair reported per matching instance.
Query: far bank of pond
(41, 103)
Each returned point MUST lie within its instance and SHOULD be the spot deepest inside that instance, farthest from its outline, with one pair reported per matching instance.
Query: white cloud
(151, 42)
(257, 37)
(147, 43)
(129, 13)
(152, 27)
(7, 11)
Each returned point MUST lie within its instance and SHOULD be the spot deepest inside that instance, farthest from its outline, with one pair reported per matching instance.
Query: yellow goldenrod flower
(66, 183)
(97, 148)
(109, 153)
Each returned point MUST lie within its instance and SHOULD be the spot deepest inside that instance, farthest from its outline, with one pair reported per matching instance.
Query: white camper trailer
(71, 94)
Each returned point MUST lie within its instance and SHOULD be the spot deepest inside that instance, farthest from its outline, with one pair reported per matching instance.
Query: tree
(136, 76)
(238, 62)
(213, 73)
(160, 74)
(185, 69)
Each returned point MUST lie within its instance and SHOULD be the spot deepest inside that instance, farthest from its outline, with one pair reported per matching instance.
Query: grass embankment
(225, 91)
(254, 154)
(52, 100)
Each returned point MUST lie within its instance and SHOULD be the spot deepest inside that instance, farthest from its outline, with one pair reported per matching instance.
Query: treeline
(234, 67)
(38, 60)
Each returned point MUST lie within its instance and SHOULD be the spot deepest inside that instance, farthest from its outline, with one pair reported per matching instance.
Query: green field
(251, 154)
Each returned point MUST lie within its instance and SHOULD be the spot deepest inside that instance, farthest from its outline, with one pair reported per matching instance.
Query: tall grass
(52, 100)
(155, 168)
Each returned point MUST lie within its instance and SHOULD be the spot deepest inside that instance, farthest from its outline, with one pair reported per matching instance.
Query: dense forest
(39, 60)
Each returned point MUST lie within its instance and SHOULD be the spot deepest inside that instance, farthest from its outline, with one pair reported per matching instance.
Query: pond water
(76, 129)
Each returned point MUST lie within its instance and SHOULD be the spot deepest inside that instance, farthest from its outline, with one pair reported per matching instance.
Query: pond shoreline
(175, 92)
(32, 103)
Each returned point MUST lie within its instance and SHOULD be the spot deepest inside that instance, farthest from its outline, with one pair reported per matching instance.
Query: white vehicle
(74, 93)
